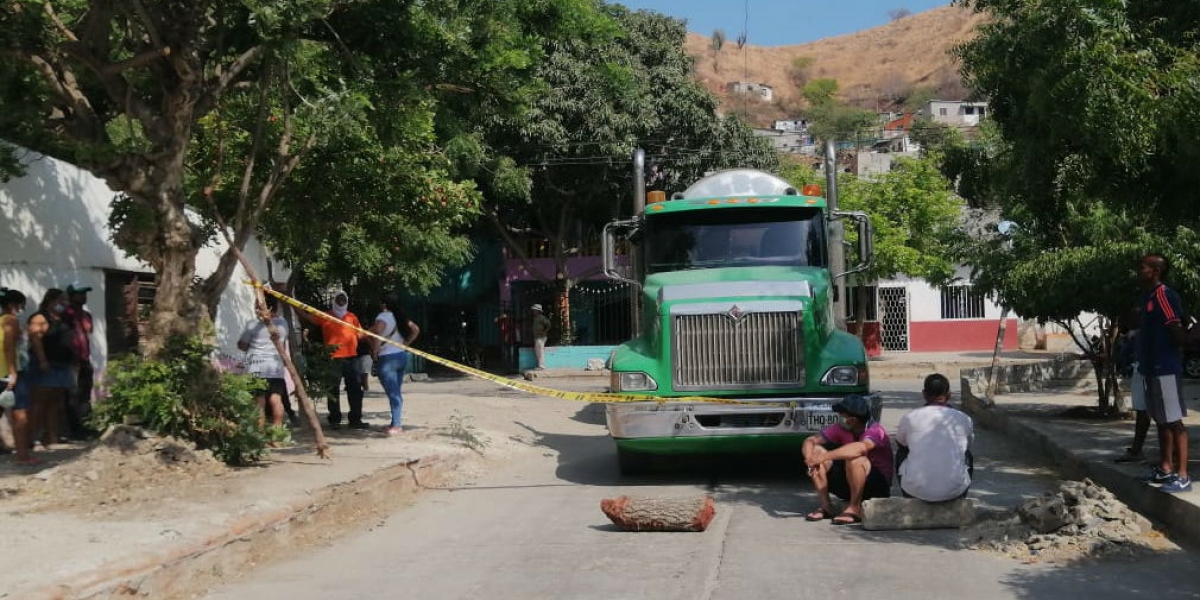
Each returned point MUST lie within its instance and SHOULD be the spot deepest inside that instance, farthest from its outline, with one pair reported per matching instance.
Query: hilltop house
(956, 113)
(761, 91)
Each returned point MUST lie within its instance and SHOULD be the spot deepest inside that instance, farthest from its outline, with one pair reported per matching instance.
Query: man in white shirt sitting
(934, 456)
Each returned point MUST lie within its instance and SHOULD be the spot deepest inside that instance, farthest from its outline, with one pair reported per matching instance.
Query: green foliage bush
(185, 396)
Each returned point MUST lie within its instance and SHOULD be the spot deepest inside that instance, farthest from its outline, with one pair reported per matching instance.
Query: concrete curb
(1181, 518)
(196, 565)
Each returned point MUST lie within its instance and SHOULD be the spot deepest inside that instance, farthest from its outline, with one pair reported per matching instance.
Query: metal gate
(893, 318)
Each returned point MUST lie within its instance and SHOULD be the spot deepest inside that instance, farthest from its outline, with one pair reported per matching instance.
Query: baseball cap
(855, 406)
(537, 307)
(78, 288)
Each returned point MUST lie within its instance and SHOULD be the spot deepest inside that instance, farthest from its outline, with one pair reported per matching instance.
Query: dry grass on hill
(871, 66)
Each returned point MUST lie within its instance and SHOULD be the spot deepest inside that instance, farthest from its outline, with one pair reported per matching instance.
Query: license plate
(818, 420)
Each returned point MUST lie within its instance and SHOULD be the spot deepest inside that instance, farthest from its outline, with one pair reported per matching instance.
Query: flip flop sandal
(818, 515)
(847, 519)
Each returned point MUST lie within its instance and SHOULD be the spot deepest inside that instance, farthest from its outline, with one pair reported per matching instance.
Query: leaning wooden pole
(260, 305)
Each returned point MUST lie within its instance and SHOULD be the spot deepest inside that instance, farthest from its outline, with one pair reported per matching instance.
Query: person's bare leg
(20, 427)
(1141, 427)
(276, 402)
(1178, 433)
(261, 401)
(1165, 448)
(1167, 442)
(856, 477)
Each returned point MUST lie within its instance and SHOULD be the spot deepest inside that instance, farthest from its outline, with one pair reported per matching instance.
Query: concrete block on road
(887, 514)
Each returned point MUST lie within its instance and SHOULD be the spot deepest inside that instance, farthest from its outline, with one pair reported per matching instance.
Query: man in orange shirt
(344, 341)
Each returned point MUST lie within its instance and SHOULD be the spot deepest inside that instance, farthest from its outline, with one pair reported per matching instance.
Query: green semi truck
(737, 302)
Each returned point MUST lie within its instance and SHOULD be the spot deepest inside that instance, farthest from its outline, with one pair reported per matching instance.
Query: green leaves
(914, 214)
(188, 398)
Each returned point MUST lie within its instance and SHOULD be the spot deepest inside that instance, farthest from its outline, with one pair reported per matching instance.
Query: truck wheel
(632, 463)
(1191, 366)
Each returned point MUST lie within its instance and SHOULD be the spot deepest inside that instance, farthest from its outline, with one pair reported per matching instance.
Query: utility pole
(837, 251)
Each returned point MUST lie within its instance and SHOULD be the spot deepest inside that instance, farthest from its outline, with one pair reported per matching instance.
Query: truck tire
(632, 463)
(1191, 366)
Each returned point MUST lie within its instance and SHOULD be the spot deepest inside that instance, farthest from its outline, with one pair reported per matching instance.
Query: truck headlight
(844, 375)
(636, 381)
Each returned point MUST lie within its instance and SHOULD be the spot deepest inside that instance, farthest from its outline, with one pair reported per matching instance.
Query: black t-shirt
(57, 340)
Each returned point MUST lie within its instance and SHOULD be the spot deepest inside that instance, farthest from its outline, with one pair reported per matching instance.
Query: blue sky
(781, 22)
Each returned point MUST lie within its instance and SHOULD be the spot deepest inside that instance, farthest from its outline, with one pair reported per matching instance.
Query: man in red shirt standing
(344, 341)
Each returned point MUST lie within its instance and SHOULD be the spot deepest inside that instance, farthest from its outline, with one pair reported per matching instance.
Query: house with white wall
(794, 125)
(54, 231)
(956, 113)
(787, 142)
(760, 91)
(905, 314)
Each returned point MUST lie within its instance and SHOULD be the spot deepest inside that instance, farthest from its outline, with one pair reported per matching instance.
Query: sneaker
(360, 425)
(394, 431)
(1176, 485)
(1156, 475)
(1130, 457)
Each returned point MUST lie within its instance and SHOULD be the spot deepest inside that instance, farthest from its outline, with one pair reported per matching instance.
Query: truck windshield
(735, 237)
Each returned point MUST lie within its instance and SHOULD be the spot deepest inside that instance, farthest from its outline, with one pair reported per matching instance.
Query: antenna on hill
(741, 44)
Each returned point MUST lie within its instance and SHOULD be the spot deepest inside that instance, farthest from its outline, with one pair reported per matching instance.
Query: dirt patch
(1082, 520)
(129, 468)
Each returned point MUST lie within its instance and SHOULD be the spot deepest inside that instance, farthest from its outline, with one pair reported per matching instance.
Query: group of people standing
(340, 331)
(46, 373)
(854, 459)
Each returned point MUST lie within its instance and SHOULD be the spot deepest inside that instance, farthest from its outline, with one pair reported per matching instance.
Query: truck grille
(755, 351)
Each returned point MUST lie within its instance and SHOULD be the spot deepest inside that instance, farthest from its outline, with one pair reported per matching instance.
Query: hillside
(872, 67)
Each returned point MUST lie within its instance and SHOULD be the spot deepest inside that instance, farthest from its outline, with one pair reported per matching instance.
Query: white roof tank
(740, 183)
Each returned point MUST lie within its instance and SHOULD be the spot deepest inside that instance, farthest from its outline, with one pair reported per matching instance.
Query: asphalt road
(530, 528)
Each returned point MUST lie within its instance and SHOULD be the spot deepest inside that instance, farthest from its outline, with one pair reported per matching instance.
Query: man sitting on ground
(852, 459)
(933, 454)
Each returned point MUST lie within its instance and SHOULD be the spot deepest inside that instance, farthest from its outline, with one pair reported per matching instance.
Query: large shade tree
(565, 165)
(1094, 106)
(194, 109)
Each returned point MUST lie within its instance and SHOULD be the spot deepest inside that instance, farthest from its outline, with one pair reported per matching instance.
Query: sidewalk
(1058, 426)
(174, 533)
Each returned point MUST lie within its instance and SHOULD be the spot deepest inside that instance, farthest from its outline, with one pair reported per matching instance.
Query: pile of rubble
(129, 462)
(1081, 520)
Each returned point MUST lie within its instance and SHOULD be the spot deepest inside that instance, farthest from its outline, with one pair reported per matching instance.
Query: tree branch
(244, 190)
(58, 24)
(223, 78)
(64, 86)
(135, 62)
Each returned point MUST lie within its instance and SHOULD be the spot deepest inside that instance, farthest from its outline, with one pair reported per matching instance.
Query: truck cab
(737, 336)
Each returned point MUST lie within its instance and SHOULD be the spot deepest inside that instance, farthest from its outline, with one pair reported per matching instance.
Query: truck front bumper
(767, 416)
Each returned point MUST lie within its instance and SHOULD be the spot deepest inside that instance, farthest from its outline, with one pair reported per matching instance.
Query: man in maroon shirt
(79, 403)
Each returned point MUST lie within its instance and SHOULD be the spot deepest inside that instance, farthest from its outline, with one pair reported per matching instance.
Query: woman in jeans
(51, 351)
(393, 325)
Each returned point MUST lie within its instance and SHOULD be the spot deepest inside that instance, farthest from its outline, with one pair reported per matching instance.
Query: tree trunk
(1000, 330)
(563, 306)
(176, 309)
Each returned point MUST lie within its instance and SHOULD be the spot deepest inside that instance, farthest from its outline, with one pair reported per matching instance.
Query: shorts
(23, 398)
(1137, 391)
(56, 376)
(275, 385)
(877, 485)
(1164, 398)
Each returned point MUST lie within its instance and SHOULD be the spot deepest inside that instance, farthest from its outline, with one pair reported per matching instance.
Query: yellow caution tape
(504, 381)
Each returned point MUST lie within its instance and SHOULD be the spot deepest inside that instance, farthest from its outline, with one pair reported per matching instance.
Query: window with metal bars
(962, 302)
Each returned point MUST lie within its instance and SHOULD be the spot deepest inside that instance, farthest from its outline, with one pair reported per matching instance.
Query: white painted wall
(54, 231)
(925, 300)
